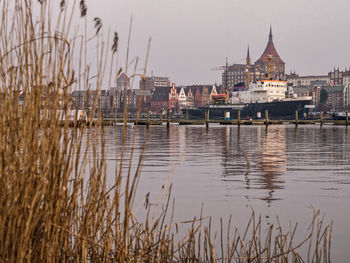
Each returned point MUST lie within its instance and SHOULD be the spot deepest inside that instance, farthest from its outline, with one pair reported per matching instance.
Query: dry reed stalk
(55, 202)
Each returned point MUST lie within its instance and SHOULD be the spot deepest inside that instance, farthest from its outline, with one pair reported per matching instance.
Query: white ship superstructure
(262, 91)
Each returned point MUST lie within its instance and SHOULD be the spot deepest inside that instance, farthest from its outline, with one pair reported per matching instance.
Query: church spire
(248, 57)
(270, 35)
(270, 50)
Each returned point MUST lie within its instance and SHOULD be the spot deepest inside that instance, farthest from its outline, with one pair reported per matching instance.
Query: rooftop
(270, 50)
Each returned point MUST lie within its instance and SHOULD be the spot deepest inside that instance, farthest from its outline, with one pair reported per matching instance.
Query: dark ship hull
(276, 110)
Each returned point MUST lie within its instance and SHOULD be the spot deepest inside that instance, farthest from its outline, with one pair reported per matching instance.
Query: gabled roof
(123, 77)
(178, 89)
(187, 90)
(270, 50)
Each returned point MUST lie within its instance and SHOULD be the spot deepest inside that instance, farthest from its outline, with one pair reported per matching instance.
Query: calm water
(279, 171)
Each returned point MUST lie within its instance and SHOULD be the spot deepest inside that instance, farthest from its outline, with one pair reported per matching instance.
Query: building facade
(336, 97)
(297, 80)
(337, 76)
(182, 102)
(123, 82)
(164, 98)
(149, 83)
(189, 97)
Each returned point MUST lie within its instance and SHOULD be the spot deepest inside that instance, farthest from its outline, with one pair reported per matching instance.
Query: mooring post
(239, 117)
(168, 118)
(267, 117)
(115, 116)
(186, 115)
(321, 118)
(296, 118)
(207, 118)
(148, 117)
(347, 118)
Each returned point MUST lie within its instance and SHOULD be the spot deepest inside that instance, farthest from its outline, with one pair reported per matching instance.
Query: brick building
(164, 98)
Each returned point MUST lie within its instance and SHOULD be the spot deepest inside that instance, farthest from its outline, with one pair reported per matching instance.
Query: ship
(272, 95)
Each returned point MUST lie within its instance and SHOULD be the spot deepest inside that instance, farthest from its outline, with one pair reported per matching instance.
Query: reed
(55, 204)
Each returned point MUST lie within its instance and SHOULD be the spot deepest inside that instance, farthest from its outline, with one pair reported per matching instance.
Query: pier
(176, 119)
(185, 120)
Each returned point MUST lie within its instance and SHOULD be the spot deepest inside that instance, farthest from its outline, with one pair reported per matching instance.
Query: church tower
(270, 53)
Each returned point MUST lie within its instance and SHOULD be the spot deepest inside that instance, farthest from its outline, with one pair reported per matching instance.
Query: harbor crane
(223, 97)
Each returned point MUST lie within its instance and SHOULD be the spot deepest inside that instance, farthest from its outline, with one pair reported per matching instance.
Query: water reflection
(253, 162)
(256, 157)
(273, 161)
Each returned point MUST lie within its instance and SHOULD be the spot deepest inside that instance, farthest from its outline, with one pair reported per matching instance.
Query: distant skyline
(189, 37)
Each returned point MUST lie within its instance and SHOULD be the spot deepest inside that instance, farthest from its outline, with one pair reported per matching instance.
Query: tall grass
(55, 203)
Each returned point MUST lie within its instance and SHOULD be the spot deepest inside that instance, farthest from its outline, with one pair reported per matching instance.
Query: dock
(202, 122)
(177, 120)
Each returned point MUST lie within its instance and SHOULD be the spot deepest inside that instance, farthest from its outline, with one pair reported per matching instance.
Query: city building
(161, 81)
(128, 96)
(302, 91)
(143, 99)
(164, 98)
(213, 92)
(189, 97)
(146, 83)
(197, 96)
(182, 102)
(123, 82)
(347, 97)
(337, 76)
(346, 80)
(149, 83)
(206, 90)
(316, 95)
(336, 97)
(297, 80)
(80, 99)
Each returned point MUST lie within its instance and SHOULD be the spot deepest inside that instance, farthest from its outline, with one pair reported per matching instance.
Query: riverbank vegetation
(56, 205)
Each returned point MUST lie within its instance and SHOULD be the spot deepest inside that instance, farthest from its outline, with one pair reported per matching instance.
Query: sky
(190, 37)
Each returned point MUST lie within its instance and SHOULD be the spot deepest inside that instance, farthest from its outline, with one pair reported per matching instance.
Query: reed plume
(56, 205)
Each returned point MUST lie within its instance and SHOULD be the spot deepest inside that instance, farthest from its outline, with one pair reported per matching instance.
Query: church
(241, 75)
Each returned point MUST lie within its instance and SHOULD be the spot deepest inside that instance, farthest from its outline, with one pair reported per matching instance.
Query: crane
(222, 97)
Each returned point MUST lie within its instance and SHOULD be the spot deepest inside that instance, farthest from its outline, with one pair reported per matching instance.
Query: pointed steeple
(248, 57)
(270, 35)
(270, 50)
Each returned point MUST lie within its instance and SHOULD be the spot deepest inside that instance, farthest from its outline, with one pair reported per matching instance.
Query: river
(278, 170)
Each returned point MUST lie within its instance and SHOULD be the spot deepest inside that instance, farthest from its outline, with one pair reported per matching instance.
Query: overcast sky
(189, 37)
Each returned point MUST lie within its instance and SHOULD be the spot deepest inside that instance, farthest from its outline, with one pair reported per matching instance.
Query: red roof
(270, 50)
